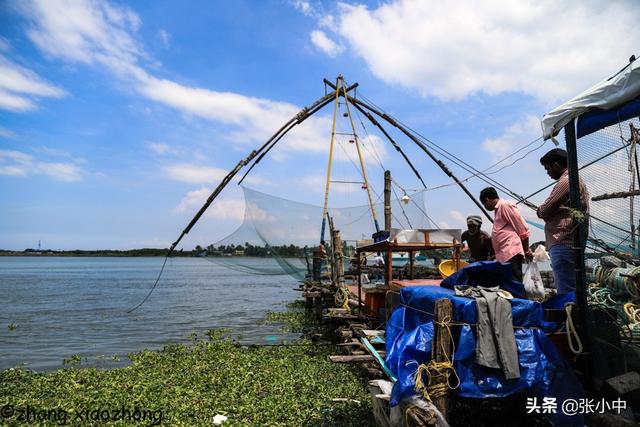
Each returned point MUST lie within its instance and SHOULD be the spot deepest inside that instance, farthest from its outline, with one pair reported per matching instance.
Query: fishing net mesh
(609, 166)
(278, 236)
(608, 163)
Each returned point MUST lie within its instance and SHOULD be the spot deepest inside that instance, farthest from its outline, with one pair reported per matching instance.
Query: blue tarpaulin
(543, 371)
(596, 119)
(486, 273)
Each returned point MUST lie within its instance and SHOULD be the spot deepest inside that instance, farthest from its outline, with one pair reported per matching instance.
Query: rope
(612, 279)
(438, 373)
(572, 334)
(633, 313)
(458, 323)
(342, 298)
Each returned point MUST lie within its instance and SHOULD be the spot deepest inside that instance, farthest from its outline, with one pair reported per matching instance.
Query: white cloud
(195, 174)
(224, 208)
(100, 34)
(66, 172)
(458, 217)
(161, 148)
(514, 136)
(325, 44)
(17, 163)
(200, 174)
(84, 31)
(303, 6)
(548, 49)
(19, 85)
(165, 37)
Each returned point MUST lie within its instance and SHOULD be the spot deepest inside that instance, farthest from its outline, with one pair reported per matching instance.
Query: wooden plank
(351, 359)
(372, 333)
(618, 195)
(378, 358)
(312, 294)
(377, 340)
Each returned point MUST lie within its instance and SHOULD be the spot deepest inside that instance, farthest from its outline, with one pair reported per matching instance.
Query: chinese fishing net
(278, 236)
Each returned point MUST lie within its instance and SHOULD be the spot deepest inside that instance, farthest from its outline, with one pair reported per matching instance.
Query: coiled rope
(438, 373)
(341, 298)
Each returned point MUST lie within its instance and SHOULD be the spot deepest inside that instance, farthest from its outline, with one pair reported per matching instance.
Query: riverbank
(190, 384)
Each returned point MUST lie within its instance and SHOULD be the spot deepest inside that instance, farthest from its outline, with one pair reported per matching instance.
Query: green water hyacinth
(187, 385)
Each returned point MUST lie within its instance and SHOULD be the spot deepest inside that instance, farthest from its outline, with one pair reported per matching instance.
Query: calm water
(65, 306)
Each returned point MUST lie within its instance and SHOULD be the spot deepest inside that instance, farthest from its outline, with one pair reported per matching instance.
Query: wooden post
(317, 307)
(441, 348)
(411, 265)
(317, 266)
(359, 270)
(338, 257)
(387, 200)
(389, 267)
(456, 254)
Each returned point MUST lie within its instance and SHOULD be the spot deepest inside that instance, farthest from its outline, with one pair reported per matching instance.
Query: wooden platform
(396, 285)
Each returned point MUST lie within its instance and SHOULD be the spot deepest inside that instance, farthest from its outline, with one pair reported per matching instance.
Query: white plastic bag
(540, 254)
(533, 285)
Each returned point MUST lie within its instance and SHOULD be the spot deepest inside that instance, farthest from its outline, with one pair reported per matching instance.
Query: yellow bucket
(448, 267)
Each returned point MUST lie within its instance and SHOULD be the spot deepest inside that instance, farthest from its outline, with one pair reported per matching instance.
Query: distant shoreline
(134, 253)
(247, 250)
(99, 253)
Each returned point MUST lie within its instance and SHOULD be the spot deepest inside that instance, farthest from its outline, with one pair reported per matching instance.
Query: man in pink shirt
(510, 233)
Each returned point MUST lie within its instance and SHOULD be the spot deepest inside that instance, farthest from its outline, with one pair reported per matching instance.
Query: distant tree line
(143, 252)
(251, 250)
(221, 250)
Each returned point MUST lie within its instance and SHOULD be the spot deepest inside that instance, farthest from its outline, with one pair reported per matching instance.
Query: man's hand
(528, 254)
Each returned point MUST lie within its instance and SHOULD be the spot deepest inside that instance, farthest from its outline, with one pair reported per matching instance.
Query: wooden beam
(351, 359)
(618, 195)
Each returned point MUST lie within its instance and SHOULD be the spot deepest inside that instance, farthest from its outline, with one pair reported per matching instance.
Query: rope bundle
(341, 298)
(611, 277)
(438, 373)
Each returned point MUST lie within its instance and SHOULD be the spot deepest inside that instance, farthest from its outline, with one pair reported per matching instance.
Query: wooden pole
(339, 261)
(359, 270)
(441, 349)
(411, 265)
(387, 200)
(389, 267)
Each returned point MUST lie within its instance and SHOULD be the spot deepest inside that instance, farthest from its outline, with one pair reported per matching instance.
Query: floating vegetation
(191, 384)
(294, 319)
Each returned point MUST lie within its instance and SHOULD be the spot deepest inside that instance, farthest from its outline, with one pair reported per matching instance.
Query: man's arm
(527, 251)
(559, 194)
(513, 215)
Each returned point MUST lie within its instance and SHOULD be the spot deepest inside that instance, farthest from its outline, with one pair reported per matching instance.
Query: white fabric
(420, 236)
(607, 94)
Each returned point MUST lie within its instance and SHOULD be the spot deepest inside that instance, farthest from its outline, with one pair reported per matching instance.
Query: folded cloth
(496, 343)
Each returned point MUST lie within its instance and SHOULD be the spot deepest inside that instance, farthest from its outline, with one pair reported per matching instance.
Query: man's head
(473, 223)
(555, 162)
(489, 198)
(322, 242)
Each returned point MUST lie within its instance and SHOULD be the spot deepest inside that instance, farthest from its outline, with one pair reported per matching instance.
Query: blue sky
(117, 119)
